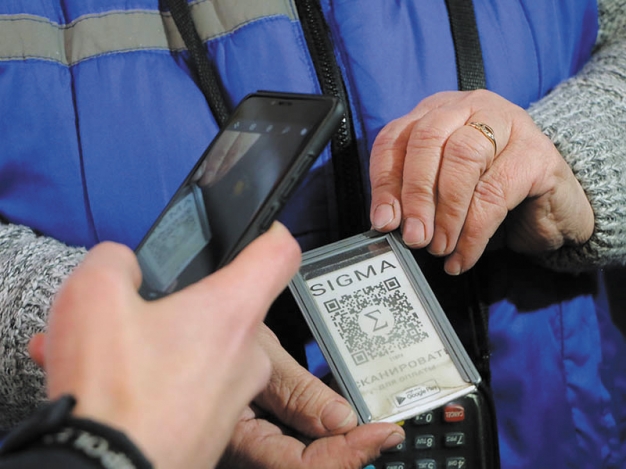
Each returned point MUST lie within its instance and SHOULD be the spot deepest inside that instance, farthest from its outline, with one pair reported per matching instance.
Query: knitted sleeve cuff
(585, 118)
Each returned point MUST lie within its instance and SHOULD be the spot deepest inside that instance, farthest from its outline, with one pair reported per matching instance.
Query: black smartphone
(236, 189)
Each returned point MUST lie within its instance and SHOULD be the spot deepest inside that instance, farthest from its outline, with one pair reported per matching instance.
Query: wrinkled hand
(298, 422)
(176, 373)
(440, 179)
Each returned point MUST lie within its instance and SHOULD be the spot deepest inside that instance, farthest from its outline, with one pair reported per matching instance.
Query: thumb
(299, 399)
(36, 349)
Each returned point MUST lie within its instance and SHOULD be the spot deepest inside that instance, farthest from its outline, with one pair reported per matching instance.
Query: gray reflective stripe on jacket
(34, 37)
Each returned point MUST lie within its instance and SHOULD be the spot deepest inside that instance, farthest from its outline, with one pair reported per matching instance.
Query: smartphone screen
(236, 189)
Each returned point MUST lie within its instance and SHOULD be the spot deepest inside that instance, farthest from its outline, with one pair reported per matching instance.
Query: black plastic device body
(237, 188)
(458, 435)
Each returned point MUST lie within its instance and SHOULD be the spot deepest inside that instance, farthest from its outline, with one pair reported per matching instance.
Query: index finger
(114, 257)
(393, 149)
(386, 167)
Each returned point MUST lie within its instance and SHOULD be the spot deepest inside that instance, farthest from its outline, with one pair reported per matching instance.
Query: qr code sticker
(376, 321)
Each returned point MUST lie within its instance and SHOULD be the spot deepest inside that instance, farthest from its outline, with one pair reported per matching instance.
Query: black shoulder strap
(471, 316)
(471, 76)
(469, 57)
(343, 145)
(473, 329)
(208, 80)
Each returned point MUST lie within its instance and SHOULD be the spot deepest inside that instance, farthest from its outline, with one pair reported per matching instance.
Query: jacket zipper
(345, 157)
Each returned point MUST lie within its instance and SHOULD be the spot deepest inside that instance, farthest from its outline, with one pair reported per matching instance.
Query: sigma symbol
(376, 320)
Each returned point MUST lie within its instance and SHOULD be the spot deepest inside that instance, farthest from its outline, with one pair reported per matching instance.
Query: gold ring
(487, 132)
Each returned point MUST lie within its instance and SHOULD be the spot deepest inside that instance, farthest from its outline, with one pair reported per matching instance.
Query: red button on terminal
(454, 413)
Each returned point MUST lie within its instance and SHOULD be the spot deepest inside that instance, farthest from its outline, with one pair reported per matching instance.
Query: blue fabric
(40, 154)
(94, 151)
(546, 357)
(129, 163)
(613, 374)
(407, 40)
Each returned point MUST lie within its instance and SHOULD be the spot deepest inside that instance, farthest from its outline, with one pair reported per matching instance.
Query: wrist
(54, 427)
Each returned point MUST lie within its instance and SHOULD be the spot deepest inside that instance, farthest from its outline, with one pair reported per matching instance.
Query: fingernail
(278, 226)
(337, 415)
(413, 232)
(392, 440)
(453, 265)
(383, 215)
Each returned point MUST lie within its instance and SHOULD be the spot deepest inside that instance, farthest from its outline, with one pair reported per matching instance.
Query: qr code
(376, 321)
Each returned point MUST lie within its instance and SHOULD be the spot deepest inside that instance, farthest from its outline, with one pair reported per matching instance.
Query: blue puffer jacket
(100, 122)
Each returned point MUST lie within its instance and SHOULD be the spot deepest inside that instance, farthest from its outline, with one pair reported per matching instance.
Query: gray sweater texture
(585, 117)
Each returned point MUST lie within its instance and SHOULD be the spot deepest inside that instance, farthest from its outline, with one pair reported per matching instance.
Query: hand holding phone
(236, 189)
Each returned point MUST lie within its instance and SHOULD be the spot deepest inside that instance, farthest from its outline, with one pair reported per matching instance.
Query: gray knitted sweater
(585, 117)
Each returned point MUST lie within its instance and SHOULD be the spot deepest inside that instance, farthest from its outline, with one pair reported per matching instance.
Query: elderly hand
(297, 422)
(449, 187)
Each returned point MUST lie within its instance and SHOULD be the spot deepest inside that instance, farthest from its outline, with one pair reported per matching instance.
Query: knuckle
(115, 250)
(468, 151)
(416, 195)
(303, 396)
(479, 95)
(385, 180)
(474, 236)
(105, 277)
(298, 391)
(389, 135)
(452, 207)
(99, 284)
(425, 136)
(433, 99)
(456, 192)
(481, 98)
(491, 193)
(385, 138)
(489, 209)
